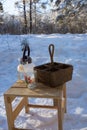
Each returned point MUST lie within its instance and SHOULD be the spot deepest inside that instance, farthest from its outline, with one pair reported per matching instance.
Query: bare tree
(30, 16)
(1, 16)
(25, 17)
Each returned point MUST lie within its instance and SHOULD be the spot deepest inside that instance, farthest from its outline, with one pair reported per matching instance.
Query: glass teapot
(25, 68)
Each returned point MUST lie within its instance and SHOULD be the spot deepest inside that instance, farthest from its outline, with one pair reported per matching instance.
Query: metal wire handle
(51, 52)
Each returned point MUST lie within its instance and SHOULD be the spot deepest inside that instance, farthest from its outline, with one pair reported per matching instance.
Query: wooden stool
(58, 95)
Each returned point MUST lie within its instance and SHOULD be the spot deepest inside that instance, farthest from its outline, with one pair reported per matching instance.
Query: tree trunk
(30, 16)
(35, 17)
(25, 17)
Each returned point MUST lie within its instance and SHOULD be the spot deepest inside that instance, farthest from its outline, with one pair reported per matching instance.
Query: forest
(49, 16)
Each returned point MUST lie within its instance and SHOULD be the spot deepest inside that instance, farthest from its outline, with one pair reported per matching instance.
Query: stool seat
(19, 89)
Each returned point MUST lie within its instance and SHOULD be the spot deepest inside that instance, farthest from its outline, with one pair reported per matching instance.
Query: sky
(9, 6)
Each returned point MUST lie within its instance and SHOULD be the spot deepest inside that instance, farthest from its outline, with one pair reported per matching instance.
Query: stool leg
(26, 105)
(9, 113)
(60, 114)
(64, 95)
(55, 102)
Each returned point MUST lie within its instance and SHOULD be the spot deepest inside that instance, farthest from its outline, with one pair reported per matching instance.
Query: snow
(69, 48)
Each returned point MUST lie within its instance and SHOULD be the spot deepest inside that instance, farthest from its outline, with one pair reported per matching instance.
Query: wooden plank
(63, 108)
(18, 108)
(64, 95)
(60, 112)
(42, 106)
(12, 98)
(26, 105)
(8, 107)
(55, 102)
(20, 129)
(63, 103)
(55, 106)
(39, 91)
(19, 84)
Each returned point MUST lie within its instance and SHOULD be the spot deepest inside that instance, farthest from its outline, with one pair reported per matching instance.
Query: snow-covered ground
(69, 48)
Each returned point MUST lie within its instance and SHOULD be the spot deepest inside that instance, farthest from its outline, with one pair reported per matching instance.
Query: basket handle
(51, 52)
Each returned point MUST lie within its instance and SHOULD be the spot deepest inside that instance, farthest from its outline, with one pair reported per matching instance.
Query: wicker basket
(53, 74)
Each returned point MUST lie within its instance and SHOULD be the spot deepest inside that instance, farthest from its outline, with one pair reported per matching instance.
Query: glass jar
(26, 74)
